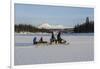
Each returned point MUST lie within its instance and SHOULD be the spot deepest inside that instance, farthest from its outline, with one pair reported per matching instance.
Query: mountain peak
(48, 26)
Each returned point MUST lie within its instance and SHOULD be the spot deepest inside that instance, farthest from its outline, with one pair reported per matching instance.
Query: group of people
(57, 40)
(52, 39)
(37, 42)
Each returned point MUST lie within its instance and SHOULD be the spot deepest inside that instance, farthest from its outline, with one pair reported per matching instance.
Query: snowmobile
(53, 40)
(39, 42)
(55, 43)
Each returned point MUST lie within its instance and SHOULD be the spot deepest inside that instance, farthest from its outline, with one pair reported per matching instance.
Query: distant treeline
(28, 28)
(87, 27)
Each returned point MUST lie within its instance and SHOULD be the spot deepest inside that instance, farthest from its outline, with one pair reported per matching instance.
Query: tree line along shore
(87, 27)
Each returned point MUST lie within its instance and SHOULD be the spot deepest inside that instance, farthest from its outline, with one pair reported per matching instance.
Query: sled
(48, 44)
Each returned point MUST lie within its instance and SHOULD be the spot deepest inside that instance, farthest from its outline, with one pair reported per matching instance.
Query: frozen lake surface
(81, 48)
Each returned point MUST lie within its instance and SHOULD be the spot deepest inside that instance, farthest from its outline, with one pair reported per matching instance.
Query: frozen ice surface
(81, 48)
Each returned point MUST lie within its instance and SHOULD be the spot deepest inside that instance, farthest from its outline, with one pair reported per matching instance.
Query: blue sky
(64, 15)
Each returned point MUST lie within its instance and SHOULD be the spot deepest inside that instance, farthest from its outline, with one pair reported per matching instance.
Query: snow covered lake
(80, 48)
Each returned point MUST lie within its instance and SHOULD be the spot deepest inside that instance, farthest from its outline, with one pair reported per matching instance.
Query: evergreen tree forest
(87, 27)
(28, 28)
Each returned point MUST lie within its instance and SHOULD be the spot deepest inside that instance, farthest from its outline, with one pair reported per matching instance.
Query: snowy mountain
(48, 26)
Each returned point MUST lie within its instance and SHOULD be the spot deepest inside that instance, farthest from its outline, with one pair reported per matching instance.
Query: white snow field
(81, 48)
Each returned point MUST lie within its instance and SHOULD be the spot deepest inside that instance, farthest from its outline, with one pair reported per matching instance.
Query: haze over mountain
(48, 26)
